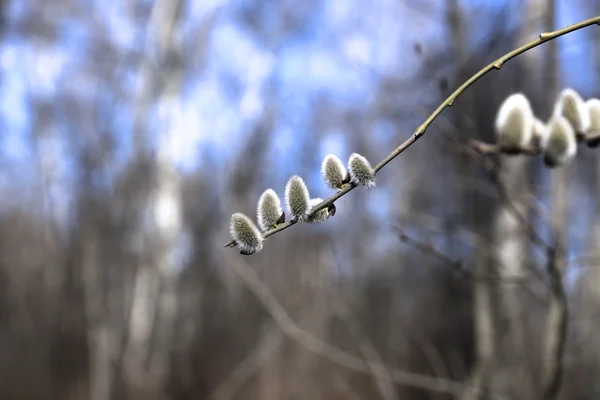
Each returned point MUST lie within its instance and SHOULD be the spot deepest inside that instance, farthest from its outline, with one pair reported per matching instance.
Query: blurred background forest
(132, 130)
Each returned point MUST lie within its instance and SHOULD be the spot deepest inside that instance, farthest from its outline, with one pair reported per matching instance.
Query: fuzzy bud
(361, 171)
(269, 210)
(540, 130)
(323, 214)
(560, 145)
(333, 171)
(571, 106)
(514, 124)
(297, 198)
(593, 108)
(247, 236)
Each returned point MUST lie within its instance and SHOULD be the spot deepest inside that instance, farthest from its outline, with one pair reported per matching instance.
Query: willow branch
(493, 148)
(421, 129)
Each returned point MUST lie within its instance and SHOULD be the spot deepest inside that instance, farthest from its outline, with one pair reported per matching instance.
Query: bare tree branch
(244, 371)
(493, 148)
(457, 265)
(489, 148)
(380, 372)
(420, 131)
(535, 238)
(334, 354)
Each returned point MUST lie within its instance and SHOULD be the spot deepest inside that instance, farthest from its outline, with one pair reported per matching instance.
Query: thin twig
(379, 370)
(457, 265)
(334, 354)
(420, 131)
(494, 148)
(253, 362)
(369, 351)
(502, 191)
(478, 148)
(427, 248)
(534, 236)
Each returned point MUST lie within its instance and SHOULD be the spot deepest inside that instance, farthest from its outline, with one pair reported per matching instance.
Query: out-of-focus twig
(457, 265)
(491, 169)
(493, 148)
(334, 354)
(380, 372)
(240, 375)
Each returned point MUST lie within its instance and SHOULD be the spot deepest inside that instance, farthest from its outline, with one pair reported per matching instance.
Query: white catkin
(361, 171)
(571, 106)
(593, 109)
(320, 216)
(268, 210)
(560, 145)
(540, 130)
(247, 236)
(514, 123)
(297, 198)
(333, 171)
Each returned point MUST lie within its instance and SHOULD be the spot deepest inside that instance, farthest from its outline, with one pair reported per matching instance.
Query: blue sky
(339, 52)
(209, 113)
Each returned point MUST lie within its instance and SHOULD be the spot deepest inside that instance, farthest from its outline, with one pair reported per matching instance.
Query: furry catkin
(540, 130)
(247, 236)
(297, 198)
(571, 106)
(514, 124)
(333, 171)
(323, 214)
(560, 145)
(593, 109)
(269, 210)
(361, 171)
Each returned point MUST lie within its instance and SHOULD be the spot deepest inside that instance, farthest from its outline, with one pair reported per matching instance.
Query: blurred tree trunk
(483, 293)
(154, 303)
(593, 285)
(556, 324)
(590, 278)
(512, 241)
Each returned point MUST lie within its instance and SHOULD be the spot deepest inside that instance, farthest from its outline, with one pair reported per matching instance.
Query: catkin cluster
(573, 120)
(300, 206)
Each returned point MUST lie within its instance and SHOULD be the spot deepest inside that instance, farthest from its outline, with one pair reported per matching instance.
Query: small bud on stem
(323, 214)
(297, 198)
(514, 124)
(361, 171)
(269, 210)
(571, 106)
(560, 145)
(333, 171)
(247, 236)
(593, 109)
